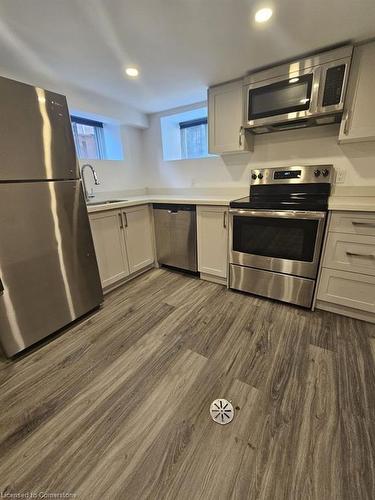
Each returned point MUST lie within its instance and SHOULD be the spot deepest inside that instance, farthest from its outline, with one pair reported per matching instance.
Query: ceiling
(180, 46)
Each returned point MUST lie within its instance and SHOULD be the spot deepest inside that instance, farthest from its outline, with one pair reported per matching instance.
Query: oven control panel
(307, 174)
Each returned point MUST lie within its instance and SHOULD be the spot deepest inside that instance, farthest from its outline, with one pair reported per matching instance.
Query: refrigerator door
(48, 270)
(36, 139)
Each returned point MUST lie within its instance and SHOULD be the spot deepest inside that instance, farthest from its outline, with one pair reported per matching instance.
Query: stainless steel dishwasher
(176, 235)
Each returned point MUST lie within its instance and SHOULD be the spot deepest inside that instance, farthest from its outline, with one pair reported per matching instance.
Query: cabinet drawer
(350, 252)
(347, 289)
(353, 223)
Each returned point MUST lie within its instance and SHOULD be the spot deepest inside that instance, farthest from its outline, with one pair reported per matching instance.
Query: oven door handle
(286, 214)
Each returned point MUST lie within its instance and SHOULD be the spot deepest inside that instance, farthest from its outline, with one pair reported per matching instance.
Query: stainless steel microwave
(302, 93)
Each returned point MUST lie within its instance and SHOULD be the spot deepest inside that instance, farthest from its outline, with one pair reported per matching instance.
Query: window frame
(98, 133)
(190, 124)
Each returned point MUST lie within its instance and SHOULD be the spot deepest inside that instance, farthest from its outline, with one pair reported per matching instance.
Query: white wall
(310, 146)
(82, 101)
(114, 149)
(127, 174)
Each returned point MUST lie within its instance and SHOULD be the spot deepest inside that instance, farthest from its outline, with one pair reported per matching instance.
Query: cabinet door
(108, 235)
(225, 119)
(358, 122)
(213, 240)
(138, 237)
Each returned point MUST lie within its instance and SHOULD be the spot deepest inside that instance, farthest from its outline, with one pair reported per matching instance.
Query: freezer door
(36, 140)
(48, 267)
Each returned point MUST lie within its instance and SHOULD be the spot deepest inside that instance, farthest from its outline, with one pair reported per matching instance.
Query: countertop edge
(342, 203)
(154, 199)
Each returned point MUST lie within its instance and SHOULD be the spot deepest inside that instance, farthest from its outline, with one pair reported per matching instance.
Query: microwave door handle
(317, 90)
(347, 122)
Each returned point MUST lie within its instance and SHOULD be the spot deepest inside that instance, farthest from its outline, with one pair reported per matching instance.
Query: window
(185, 135)
(194, 138)
(88, 138)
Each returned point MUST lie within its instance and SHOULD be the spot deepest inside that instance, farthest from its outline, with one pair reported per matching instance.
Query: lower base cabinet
(110, 248)
(138, 237)
(348, 289)
(212, 235)
(347, 281)
(123, 241)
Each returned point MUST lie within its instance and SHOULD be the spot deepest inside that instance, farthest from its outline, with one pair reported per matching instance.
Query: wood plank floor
(117, 406)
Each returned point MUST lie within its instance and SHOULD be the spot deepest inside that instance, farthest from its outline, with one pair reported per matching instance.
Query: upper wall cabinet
(358, 122)
(225, 118)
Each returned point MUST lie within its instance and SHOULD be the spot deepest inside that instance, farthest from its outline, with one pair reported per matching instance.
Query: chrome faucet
(88, 195)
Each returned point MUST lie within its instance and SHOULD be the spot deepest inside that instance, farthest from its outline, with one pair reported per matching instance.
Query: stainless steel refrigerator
(48, 271)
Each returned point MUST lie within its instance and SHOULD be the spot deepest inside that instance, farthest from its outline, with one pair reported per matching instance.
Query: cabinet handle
(240, 136)
(355, 254)
(225, 220)
(346, 126)
(121, 221)
(126, 219)
(366, 224)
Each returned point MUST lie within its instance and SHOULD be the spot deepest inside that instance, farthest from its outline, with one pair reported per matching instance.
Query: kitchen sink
(106, 202)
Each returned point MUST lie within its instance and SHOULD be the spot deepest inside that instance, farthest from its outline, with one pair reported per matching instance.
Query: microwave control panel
(333, 85)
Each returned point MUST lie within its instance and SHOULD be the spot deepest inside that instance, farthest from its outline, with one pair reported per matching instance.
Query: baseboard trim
(345, 311)
(112, 287)
(214, 279)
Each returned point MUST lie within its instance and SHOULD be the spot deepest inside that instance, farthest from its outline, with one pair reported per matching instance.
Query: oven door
(284, 98)
(287, 242)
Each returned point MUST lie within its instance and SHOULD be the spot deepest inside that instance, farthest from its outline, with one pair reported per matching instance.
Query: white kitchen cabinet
(353, 223)
(347, 279)
(138, 237)
(225, 120)
(123, 241)
(212, 234)
(358, 123)
(356, 291)
(108, 235)
(350, 252)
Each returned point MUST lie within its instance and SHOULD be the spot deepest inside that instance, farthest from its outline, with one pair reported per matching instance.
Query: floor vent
(221, 411)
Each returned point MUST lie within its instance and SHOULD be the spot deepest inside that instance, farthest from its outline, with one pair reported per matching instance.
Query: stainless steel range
(276, 233)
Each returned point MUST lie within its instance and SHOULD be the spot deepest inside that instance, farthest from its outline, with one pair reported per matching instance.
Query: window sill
(210, 157)
(100, 159)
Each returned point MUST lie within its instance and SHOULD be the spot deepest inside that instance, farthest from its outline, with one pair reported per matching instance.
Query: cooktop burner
(288, 188)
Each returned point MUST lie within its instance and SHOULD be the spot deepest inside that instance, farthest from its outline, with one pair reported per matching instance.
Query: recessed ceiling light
(130, 71)
(263, 15)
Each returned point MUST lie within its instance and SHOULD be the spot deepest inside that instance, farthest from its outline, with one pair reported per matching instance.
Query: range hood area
(303, 93)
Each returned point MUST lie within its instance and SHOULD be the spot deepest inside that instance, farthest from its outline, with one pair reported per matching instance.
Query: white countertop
(356, 199)
(359, 204)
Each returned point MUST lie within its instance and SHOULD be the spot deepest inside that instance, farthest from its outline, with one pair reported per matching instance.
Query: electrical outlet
(340, 175)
